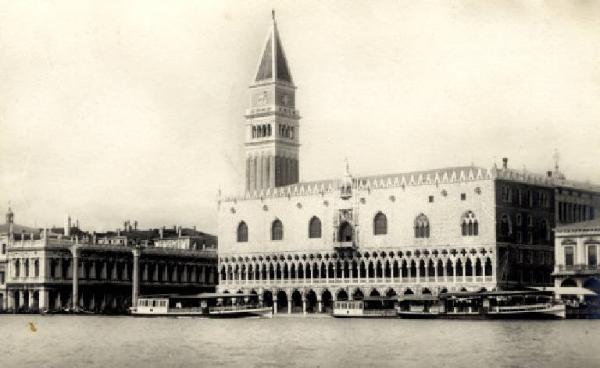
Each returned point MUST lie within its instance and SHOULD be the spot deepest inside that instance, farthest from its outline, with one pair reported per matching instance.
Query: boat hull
(255, 312)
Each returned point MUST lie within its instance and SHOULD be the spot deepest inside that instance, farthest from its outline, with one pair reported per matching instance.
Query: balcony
(345, 245)
(578, 269)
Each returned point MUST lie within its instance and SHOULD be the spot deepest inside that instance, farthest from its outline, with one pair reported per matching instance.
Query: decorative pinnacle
(273, 14)
(556, 157)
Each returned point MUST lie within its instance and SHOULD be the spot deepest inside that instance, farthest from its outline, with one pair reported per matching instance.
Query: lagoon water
(311, 341)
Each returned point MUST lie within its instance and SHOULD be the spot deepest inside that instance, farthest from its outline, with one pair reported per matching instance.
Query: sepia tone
(424, 172)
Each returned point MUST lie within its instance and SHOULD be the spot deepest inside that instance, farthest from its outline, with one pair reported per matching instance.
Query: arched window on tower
(421, 226)
(242, 232)
(269, 130)
(276, 230)
(254, 132)
(314, 228)
(469, 225)
(379, 224)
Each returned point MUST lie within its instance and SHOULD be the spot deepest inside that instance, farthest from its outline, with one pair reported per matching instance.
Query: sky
(134, 110)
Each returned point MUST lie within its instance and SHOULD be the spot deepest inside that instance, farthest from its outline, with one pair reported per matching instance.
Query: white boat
(521, 304)
(209, 305)
(369, 307)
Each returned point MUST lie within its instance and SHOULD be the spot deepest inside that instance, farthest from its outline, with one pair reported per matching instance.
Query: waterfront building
(102, 272)
(576, 248)
(302, 245)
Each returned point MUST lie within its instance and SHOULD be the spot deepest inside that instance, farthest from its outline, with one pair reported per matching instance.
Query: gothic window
(276, 230)
(469, 225)
(379, 224)
(242, 232)
(519, 219)
(269, 130)
(505, 226)
(421, 226)
(314, 228)
(36, 268)
(345, 232)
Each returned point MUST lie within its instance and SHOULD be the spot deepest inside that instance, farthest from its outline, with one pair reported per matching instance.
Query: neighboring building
(102, 272)
(576, 248)
(301, 245)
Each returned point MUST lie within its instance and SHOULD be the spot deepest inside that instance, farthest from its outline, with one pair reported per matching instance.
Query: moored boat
(369, 307)
(211, 305)
(520, 304)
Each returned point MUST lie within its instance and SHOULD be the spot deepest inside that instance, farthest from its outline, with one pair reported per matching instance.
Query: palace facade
(50, 269)
(302, 245)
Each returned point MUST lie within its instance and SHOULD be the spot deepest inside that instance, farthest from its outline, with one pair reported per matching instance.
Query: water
(319, 341)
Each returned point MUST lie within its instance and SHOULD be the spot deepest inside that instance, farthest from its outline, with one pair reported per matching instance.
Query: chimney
(549, 173)
(179, 231)
(161, 232)
(94, 237)
(135, 224)
(505, 163)
(67, 226)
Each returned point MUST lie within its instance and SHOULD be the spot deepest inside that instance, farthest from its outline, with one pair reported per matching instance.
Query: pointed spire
(273, 63)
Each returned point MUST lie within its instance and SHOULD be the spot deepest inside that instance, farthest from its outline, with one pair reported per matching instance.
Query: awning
(568, 290)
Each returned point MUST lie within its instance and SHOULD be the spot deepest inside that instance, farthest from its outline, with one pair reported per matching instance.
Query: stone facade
(303, 245)
(576, 247)
(104, 272)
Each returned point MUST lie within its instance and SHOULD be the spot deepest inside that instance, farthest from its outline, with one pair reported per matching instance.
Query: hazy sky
(133, 110)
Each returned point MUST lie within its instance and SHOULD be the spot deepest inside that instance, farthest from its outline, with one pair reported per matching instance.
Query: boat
(210, 305)
(518, 304)
(369, 307)
(418, 306)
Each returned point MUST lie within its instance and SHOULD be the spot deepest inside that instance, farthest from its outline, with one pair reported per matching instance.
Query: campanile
(272, 131)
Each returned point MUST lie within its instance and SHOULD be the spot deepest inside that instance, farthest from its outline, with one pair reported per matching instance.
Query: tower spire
(273, 63)
(272, 144)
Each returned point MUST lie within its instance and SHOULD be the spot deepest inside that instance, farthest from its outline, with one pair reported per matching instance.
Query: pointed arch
(421, 225)
(380, 224)
(469, 225)
(242, 232)
(314, 228)
(276, 230)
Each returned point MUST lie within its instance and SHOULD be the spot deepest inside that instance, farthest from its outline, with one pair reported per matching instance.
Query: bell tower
(272, 131)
